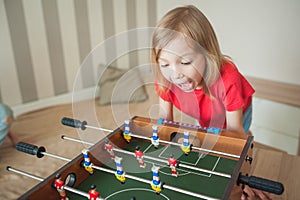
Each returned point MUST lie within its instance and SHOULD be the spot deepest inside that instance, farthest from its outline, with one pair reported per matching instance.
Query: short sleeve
(238, 93)
(162, 94)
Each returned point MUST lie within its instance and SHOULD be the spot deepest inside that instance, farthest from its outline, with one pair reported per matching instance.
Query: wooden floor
(279, 166)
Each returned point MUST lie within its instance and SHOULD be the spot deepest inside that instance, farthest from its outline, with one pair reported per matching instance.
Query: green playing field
(191, 180)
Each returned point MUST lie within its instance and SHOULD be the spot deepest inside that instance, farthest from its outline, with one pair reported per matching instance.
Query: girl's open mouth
(187, 86)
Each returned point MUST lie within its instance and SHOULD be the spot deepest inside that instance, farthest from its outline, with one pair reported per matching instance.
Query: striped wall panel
(44, 43)
(10, 87)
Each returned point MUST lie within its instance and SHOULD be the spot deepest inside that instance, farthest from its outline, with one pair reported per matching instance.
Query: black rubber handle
(31, 149)
(74, 123)
(261, 184)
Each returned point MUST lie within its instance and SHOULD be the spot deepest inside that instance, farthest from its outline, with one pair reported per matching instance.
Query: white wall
(261, 36)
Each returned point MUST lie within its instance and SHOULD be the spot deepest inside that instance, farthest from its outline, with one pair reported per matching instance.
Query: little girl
(193, 75)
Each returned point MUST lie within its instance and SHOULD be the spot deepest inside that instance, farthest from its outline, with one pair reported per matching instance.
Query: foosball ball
(151, 159)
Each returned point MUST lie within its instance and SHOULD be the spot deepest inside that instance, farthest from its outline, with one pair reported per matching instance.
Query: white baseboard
(88, 93)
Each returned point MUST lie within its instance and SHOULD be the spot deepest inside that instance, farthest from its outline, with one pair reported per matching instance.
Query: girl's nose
(173, 67)
(178, 75)
(175, 72)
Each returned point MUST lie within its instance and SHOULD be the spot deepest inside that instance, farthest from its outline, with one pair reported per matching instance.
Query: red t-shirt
(230, 92)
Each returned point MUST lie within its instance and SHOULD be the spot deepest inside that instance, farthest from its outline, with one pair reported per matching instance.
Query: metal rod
(76, 140)
(97, 128)
(24, 173)
(126, 175)
(79, 192)
(56, 156)
(217, 152)
(205, 170)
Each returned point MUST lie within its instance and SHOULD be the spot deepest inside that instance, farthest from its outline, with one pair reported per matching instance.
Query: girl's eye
(163, 65)
(186, 63)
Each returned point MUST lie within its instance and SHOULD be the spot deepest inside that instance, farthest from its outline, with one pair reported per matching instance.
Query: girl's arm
(165, 110)
(234, 121)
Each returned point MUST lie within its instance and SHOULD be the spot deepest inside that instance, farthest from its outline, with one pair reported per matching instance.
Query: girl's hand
(252, 194)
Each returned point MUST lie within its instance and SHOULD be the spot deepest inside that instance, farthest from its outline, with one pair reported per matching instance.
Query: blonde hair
(192, 23)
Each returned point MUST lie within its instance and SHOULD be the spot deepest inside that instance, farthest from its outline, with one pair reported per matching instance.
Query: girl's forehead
(167, 55)
(178, 46)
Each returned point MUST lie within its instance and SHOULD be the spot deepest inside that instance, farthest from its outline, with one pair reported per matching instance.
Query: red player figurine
(58, 183)
(139, 156)
(93, 193)
(109, 148)
(173, 163)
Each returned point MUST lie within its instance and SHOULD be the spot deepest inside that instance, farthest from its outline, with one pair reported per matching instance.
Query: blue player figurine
(120, 174)
(87, 162)
(127, 133)
(156, 184)
(154, 138)
(186, 146)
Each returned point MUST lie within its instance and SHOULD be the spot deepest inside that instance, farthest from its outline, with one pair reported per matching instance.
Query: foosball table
(152, 159)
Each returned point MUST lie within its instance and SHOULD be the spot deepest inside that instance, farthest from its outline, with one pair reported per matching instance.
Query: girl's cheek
(166, 72)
